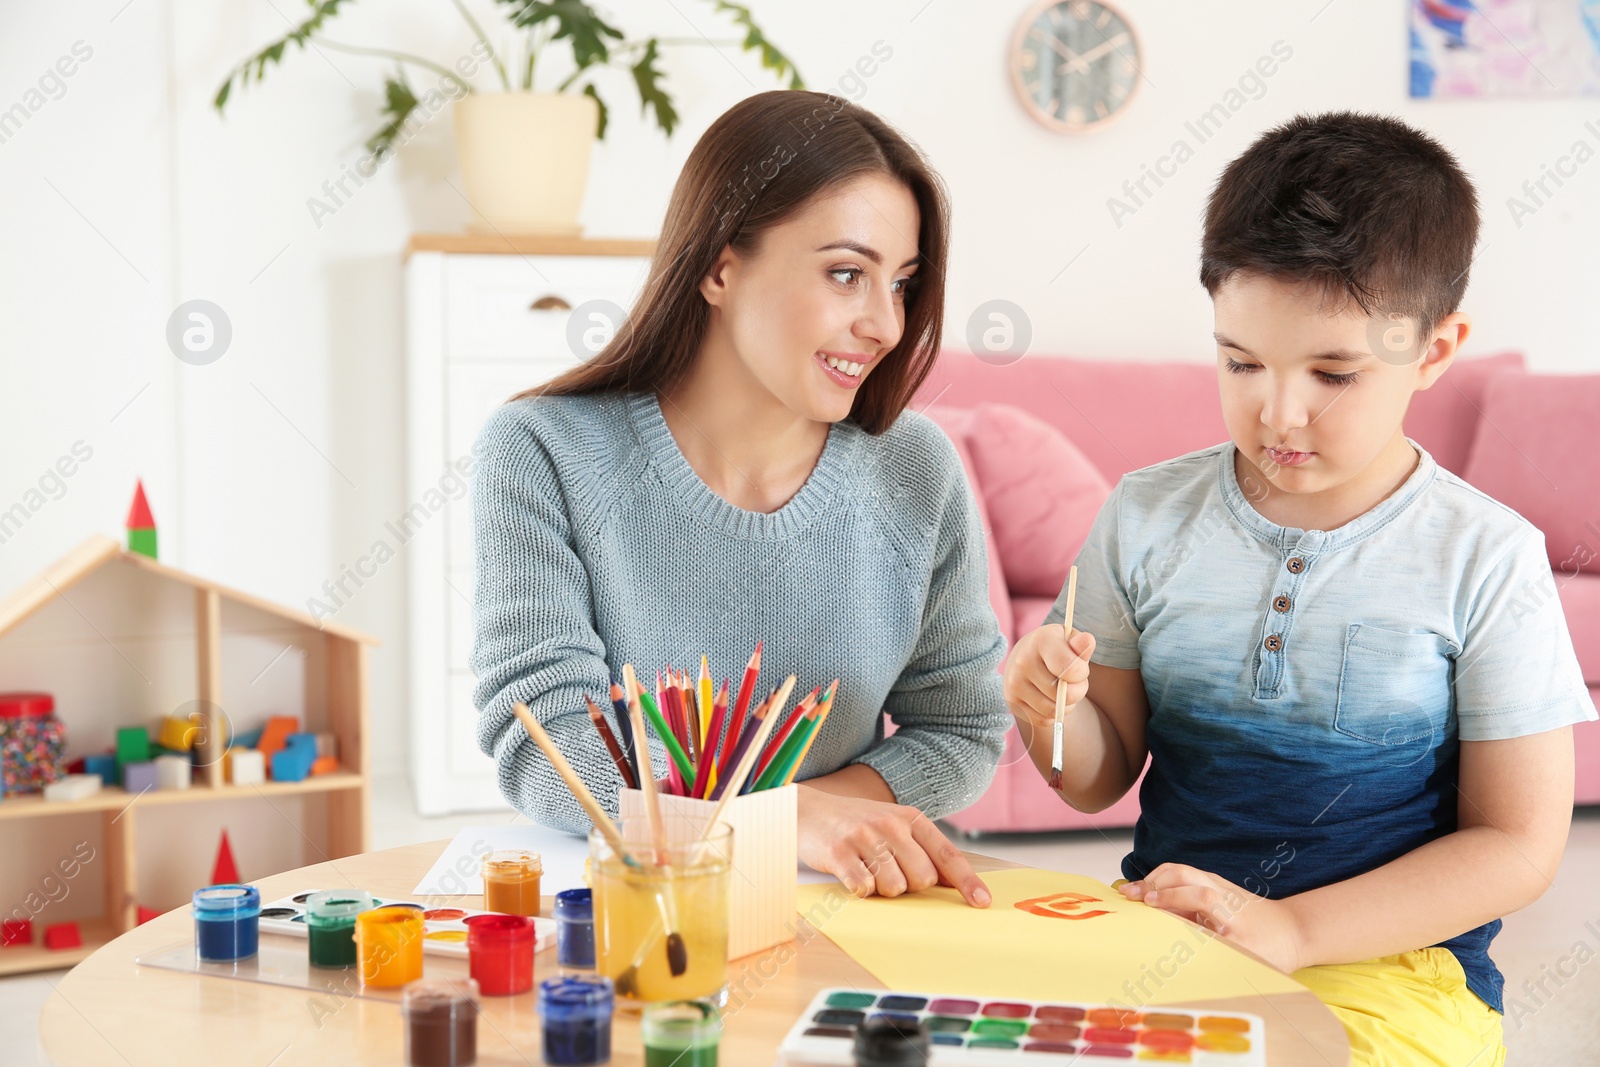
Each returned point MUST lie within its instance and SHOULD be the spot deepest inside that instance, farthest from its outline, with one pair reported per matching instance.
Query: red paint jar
(32, 742)
(500, 953)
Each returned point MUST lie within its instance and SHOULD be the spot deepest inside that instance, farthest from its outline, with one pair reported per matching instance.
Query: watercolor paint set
(991, 1031)
(445, 927)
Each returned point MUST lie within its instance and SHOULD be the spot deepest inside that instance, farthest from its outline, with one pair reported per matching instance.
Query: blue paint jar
(227, 922)
(576, 1015)
(575, 929)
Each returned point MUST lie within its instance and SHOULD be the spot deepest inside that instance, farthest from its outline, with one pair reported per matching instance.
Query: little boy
(1359, 729)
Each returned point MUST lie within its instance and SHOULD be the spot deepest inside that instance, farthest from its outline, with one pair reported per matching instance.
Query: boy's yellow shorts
(1409, 1010)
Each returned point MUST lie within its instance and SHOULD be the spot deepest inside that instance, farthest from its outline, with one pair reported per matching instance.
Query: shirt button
(1296, 564)
(1280, 604)
(1273, 643)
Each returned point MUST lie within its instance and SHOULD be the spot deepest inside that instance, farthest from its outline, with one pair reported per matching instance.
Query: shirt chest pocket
(1394, 687)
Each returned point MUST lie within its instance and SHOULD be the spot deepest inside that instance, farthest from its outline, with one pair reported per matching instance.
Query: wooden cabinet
(486, 317)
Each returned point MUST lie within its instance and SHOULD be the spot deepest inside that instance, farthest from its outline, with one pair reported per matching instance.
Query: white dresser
(486, 317)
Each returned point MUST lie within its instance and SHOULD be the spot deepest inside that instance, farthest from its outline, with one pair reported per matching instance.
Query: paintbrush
(677, 951)
(585, 799)
(1058, 730)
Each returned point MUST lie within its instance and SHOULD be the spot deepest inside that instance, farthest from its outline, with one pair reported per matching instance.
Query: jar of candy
(32, 742)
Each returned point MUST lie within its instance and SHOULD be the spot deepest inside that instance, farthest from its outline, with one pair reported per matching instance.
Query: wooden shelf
(18, 959)
(115, 798)
(528, 244)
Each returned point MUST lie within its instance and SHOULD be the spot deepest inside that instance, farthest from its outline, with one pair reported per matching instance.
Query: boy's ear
(714, 286)
(1448, 338)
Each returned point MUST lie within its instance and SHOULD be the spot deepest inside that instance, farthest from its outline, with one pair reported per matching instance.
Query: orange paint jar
(511, 882)
(389, 946)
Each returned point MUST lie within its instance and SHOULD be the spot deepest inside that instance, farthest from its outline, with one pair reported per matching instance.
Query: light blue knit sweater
(598, 545)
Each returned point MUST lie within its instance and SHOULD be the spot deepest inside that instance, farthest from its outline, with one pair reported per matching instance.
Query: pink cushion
(957, 426)
(1580, 602)
(1444, 419)
(1536, 452)
(1121, 415)
(1042, 494)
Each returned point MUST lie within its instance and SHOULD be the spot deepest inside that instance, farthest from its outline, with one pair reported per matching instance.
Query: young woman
(738, 464)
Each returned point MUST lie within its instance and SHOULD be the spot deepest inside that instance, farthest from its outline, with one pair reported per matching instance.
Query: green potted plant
(524, 151)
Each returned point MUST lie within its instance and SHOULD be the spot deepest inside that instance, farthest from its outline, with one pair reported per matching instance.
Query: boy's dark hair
(1362, 205)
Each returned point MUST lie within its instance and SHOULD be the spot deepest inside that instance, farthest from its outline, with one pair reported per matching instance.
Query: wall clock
(1075, 64)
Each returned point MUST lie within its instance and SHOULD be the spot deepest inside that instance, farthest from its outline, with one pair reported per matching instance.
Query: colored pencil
(720, 706)
(581, 792)
(630, 746)
(676, 756)
(747, 688)
(744, 756)
(603, 728)
(822, 717)
(708, 748)
(786, 731)
(1058, 728)
(705, 698)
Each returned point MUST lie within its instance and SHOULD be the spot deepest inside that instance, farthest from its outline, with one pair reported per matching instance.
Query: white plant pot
(525, 159)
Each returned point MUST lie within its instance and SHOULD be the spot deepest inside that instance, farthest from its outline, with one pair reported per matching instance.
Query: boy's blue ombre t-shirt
(1308, 689)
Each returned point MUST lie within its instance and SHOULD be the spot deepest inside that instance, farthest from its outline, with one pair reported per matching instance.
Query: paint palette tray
(445, 928)
(998, 1032)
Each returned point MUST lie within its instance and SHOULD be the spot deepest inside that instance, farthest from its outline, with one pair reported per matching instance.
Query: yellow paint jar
(389, 946)
(511, 882)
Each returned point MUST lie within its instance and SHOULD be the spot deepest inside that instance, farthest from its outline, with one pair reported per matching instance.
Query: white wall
(279, 463)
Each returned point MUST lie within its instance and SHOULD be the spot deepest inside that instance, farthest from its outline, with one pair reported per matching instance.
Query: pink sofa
(1531, 441)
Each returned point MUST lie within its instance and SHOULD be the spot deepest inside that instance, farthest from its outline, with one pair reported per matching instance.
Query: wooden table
(110, 1011)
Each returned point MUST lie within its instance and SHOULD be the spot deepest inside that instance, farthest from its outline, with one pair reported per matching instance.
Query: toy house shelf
(121, 639)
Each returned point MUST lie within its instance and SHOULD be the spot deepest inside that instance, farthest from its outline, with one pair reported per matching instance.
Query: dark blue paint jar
(576, 1016)
(575, 929)
(227, 922)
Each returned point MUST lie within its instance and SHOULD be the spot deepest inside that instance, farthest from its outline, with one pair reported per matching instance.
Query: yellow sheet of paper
(1129, 955)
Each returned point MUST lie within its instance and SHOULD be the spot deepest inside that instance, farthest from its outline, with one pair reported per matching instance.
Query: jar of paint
(331, 926)
(891, 1041)
(227, 922)
(389, 946)
(500, 953)
(511, 882)
(575, 929)
(441, 1023)
(576, 1015)
(661, 922)
(32, 742)
(681, 1033)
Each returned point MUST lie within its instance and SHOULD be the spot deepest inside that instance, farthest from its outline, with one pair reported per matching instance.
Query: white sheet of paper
(456, 870)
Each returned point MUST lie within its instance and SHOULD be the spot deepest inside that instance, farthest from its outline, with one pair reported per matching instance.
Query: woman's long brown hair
(758, 164)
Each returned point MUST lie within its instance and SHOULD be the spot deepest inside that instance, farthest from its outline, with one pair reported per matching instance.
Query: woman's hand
(1265, 926)
(1037, 660)
(877, 847)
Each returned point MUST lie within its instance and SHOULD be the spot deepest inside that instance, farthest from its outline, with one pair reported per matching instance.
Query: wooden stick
(580, 791)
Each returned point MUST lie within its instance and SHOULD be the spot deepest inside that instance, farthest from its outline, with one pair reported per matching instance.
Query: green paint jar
(681, 1033)
(331, 925)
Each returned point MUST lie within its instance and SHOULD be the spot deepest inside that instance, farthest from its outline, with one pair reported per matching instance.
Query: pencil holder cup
(765, 860)
(661, 920)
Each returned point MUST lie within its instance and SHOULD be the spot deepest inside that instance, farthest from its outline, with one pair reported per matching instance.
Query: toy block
(16, 933)
(173, 772)
(73, 787)
(141, 524)
(224, 871)
(77, 766)
(293, 762)
(325, 765)
(133, 745)
(276, 734)
(250, 739)
(146, 914)
(245, 766)
(62, 935)
(103, 765)
(178, 735)
(140, 777)
(327, 745)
